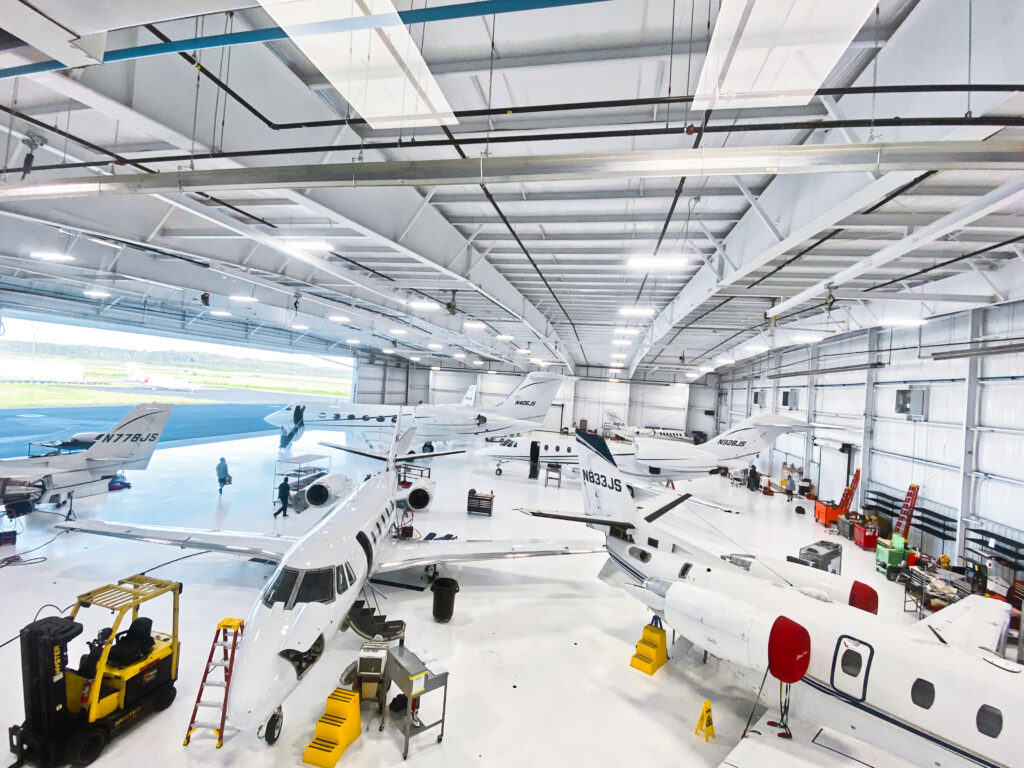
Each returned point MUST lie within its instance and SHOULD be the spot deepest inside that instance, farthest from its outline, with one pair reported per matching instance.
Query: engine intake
(327, 489)
(419, 495)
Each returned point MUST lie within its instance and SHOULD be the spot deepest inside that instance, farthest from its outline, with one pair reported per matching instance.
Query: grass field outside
(19, 395)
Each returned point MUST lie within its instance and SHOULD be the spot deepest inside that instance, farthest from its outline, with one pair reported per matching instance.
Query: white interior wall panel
(369, 384)
(701, 410)
(417, 386)
(594, 397)
(653, 405)
(450, 386)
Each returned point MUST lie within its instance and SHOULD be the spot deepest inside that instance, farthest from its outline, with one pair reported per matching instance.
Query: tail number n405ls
(596, 478)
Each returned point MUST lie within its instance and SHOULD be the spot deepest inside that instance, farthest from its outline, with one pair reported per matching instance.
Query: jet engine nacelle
(419, 495)
(327, 489)
(731, 629)
(86, 438)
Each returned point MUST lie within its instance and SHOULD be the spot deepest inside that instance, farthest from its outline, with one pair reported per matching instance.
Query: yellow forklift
(71, 714)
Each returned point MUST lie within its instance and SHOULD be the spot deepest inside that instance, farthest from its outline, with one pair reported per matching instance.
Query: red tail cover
(864, 597)
(789, 650)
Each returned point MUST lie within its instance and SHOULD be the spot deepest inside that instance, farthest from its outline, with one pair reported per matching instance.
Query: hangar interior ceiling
(879, 211)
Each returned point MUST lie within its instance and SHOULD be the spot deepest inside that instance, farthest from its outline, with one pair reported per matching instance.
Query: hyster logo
(131, 437)
(737, 443)
(529, 403)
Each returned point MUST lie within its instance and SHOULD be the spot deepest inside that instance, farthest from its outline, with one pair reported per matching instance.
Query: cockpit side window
(280, 588)
(317, 586)
(342, 579)
(351, 574)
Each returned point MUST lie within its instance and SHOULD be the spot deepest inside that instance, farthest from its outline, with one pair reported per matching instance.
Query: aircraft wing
(580, 518)
(383, 457)
(231, 542)
(975, 621)
(812, 746)
(414, 554)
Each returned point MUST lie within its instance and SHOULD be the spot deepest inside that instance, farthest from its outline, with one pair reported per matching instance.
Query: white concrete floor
(538, 649)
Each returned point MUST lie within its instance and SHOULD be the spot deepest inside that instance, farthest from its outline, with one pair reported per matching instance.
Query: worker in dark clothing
(223, 477)
(283, 490)
(753, 479)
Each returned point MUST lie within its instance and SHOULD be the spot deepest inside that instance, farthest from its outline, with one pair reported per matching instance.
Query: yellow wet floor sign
(705, 722)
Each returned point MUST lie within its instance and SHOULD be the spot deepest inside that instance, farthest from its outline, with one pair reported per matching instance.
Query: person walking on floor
(223, 477)
(283, 490)
(790, 487)
(753, 479)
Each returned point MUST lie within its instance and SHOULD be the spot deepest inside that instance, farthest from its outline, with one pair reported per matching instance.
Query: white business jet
(619, 428)
(521, 411)
(542, 448)
(52, 479)
(314, 591)
(660, 459)
(873, 691)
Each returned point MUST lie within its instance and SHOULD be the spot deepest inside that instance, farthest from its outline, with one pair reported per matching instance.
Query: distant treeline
(168, 358)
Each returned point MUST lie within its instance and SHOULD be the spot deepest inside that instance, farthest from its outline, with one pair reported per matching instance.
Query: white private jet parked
(52, 479)
(540, 447)
(313, 593)
(521, 411)
(617, 426)
(659, 459)
(937, 693)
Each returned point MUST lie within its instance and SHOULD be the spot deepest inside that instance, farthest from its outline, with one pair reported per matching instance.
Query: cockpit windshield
(280, 589)
(291, 586)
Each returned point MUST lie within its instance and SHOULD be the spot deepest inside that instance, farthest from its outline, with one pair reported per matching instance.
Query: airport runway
(19, 426)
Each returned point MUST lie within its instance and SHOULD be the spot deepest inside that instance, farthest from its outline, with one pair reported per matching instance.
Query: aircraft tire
(497, 471)
(273, 730)
(428, 447)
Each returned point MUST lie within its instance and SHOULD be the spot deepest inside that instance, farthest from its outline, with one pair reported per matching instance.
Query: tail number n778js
(596, 478)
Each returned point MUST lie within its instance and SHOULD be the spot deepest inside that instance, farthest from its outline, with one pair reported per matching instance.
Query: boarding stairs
(652, 649)
(291, 434)
(367, 622)
(225, 639)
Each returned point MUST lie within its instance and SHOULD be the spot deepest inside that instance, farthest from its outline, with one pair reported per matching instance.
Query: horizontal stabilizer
(589, 519)
(423, 552)
(974, 622)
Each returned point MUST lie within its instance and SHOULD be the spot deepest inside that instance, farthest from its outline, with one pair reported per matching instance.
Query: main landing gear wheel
(428, 447)
(85, 746)
(165, 698)
(273, 728)
(497, 471)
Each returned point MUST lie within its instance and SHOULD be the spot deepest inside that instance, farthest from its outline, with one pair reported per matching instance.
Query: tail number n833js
(596, 478)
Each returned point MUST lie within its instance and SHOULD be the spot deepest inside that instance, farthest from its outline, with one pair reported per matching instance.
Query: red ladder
(227, 644)
(847, 499)
(902, 526)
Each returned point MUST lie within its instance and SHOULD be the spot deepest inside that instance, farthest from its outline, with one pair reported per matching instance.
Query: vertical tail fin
(751, 436)
(531, 400)
(400, 442)
(612, 420)
(133, 439)
(605, 492)
(469, 399)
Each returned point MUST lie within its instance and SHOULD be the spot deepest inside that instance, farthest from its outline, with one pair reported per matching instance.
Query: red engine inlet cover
(789, 650)
(864, 597)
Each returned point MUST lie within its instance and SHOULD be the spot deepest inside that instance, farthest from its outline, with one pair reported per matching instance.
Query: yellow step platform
(339, 727)
(651, 651)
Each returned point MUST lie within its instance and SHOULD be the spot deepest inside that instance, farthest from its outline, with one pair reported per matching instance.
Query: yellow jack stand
(651, 651)
(339, 727)
(705, 723)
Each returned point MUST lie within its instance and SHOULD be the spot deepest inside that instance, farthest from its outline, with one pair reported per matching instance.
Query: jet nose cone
(257, 690)
(278, 418)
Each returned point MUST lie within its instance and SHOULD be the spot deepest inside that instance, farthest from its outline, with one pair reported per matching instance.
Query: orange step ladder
(902, 526)
(226, 639)
(847, 498)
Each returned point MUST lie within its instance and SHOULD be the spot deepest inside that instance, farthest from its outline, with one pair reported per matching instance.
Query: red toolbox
(865, 538)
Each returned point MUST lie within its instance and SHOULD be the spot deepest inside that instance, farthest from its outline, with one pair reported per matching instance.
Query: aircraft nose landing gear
(428, 447)
(272, 730)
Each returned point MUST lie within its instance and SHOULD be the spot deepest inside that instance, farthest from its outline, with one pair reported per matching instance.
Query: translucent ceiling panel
(364, 50)
(767, 53)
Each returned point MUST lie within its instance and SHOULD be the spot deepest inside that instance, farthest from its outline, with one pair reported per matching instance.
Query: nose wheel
(497, 470)
(428, 447)
(272, 731)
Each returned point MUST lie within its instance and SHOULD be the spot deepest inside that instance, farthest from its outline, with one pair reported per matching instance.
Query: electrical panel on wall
(789, 399)
(913, 403)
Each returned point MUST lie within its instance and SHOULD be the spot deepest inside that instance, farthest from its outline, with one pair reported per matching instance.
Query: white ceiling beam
(1007, 194)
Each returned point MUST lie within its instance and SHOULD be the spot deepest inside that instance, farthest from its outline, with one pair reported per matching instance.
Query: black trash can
(444, 599)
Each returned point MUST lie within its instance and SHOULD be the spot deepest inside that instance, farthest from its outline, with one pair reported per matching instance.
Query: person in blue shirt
(223, 478)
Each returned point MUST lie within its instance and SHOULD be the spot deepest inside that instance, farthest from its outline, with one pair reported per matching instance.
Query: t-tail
(132, 440)
(612, 420)
(606, 496)
(469, 399)
(531, 400)
(751, 436)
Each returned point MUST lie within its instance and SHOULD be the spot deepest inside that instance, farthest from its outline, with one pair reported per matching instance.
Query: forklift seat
(133, 644)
